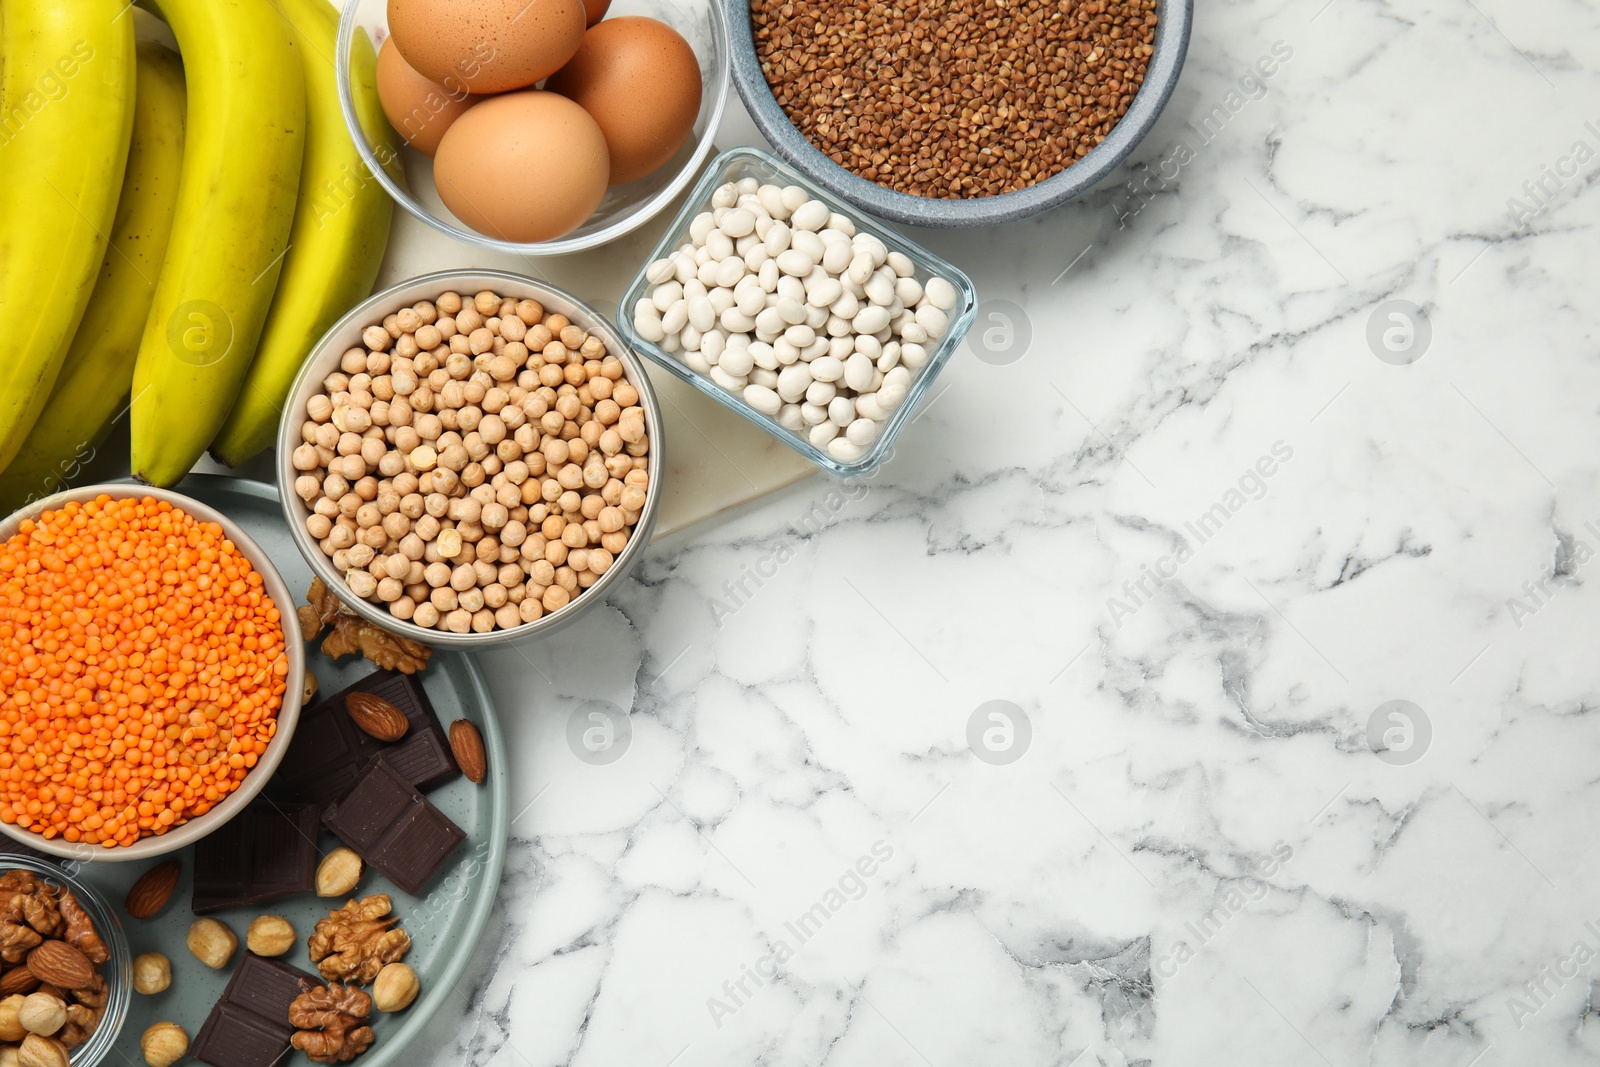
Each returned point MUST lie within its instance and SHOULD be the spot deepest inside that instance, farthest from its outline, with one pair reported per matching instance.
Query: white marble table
(1198, 518)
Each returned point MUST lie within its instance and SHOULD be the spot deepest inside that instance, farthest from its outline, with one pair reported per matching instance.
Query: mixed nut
(354, 945)
(54, 994)
(475, 464)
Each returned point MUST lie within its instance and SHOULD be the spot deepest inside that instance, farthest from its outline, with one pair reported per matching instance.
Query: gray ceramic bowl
(1171, 45)
(346, 333)
(288, 715)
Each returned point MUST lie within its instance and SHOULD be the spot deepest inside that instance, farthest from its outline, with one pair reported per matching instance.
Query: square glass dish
(736, 165)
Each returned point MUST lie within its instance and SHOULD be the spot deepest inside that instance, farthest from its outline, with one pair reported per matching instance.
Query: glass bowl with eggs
(534, 127)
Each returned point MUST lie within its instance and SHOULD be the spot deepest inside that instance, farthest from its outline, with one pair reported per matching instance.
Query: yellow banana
(341, 227)
(92, 388)
(66, 113)
(236, 198)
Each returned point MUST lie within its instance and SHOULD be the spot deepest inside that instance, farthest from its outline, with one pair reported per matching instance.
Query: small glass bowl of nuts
(471, 458)
(65, 928)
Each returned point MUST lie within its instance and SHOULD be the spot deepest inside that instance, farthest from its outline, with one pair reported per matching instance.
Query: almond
(153, 889)
(59, 964)
(466, 744)
(377, 716)
(18, 980)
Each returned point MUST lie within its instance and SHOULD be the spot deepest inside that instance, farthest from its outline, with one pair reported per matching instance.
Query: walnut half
(352, 633)
(332, 1023)
(353, 943)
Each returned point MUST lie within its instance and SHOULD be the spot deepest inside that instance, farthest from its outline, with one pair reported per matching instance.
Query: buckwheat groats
(476, 464)
(956, 99)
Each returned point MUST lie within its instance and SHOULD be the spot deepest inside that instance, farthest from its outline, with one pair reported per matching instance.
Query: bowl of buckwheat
(471, 458)
(958, 114)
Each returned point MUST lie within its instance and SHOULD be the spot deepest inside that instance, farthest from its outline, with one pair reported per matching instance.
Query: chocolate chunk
(393, 827)
(267, 851)
(249, 1025)
(329, 751)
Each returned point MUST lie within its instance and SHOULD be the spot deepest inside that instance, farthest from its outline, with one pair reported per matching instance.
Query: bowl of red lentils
(471, 458)
(969, 113)
(151, 672)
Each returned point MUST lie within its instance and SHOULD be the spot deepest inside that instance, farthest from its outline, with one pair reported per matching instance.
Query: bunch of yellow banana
(247, 223)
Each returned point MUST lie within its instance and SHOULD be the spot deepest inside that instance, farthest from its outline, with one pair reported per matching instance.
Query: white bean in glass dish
(785, 305)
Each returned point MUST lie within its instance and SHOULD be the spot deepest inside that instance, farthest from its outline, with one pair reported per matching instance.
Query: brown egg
(419, 109)
(489, 46)
(640, 80)
(528, 166)
(596, 9)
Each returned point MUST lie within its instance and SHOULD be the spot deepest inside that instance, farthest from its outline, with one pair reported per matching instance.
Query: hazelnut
(212, 943)
(152, 973)
(338, 873)
(164, 1044)
(42, 1013)
(9, 1056)
(11, 1029)
(37, 1051)
(270, 935)
(395, 987)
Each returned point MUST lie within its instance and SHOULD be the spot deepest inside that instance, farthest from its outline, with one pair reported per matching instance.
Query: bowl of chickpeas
(471, 458)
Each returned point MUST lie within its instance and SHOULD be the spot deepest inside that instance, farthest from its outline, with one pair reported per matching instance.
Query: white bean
(871, 319)
(793, 197)
(762, 399)
(767, 378)
(812, 215)
(702, 316)
(795, 263)
(660, 271)
(933, 320)
(713, 346)
(827, 369)
(844, 450)
(737, 361)
(696, 362)
(793, 381)
(763, 355)
(771, 198)
(777, 239)
(858, 371)
(739, 222)
(676, 317)
(821, 434)
(813, 415)
(908, 291)
(912, 356)
(862, 432)
(702, 225)
(821, 393)
(809, 243)
(736, 321)
(666, 294)
(733, 383)
(880, 290)
(901, 263)
(789, 418)
(941, 294)
(790, 310)
(841, 411)
(719, 244)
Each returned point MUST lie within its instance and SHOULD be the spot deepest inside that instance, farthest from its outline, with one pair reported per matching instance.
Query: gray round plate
(444, 925)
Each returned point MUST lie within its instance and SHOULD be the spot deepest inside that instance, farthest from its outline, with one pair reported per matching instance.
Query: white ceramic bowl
(288, 715)
(625, 207)
(346, 334)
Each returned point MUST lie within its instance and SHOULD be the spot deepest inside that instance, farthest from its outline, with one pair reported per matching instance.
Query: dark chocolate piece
(268, 850)
(329, 751)
(249, 1025)
(393, 827)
